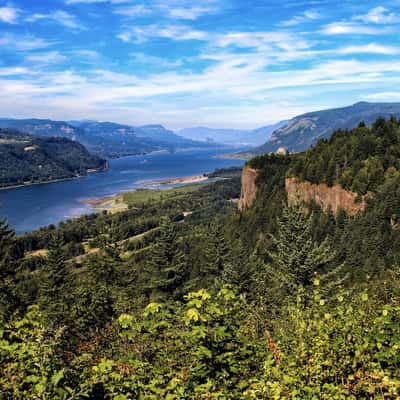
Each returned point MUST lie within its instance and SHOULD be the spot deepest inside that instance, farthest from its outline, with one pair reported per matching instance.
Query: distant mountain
(231, 136)
(27, 159)
(115, 140)
(43, 127)
(304, 131)
(106, 139)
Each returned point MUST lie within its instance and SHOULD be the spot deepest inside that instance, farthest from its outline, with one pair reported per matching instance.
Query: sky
(181, 63)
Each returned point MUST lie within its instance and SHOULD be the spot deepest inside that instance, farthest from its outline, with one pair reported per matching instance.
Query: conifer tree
(217, 251)
(298, 257)
(167, 261)
(7, 268)
(239, 271)
(53, 288)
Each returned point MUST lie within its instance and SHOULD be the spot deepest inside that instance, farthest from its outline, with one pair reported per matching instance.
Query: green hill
(27, 159)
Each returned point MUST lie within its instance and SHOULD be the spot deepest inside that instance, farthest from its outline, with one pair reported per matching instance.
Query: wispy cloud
(306, 16)
(371, 48)
(190, 13)
(378, 15)
(173, 32)
(155, 61)
(383, 96)
(23, 43)
(9, 14)
(52, 57)
(61, 17)
(346, 28)
(133, 10)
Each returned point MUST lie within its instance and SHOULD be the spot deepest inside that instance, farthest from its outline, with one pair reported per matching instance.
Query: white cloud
(133, 11)
(156, 61)
(52, 57)
(9, 14)
(378, 15)
(190, 13)
(172, 32)
(371, 48)
(346, 28)
(309, 15)
(383, 96)
(23, 43)
(9, 71)
(62, 17)
(89, 54)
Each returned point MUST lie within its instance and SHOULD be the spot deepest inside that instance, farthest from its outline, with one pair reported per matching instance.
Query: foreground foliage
(209, 347)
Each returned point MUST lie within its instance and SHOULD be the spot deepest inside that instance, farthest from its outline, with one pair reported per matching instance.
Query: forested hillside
(26, 159)
(305, 130)
(184, 297)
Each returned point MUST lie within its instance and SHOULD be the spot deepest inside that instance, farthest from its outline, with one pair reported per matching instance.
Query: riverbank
(88, 172)
(245, 156)
(110, 204)
(185, 180)
(150, 190)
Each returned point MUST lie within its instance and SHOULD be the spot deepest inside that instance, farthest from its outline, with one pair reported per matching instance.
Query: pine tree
(53, 288)
(240, 271)
(298, 258)
(217, 252)
(8, 298)
(167, 264)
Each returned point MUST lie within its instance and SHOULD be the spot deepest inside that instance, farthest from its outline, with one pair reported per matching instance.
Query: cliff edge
(331, 198)
(249, 188)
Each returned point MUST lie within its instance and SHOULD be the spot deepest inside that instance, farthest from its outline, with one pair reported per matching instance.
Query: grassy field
(144, 196)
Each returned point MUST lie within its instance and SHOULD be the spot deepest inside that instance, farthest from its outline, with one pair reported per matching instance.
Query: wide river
(28, 208)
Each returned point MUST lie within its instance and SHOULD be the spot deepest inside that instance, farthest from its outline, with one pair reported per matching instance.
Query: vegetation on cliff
(359, 160)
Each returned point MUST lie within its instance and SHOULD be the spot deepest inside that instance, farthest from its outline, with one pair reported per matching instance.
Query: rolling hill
(28, 159)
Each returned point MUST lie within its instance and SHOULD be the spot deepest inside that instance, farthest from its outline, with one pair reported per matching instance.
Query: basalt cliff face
(249, 188)
(329, 198)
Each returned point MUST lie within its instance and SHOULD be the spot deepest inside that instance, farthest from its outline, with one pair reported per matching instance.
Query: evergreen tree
(298, 257)
(53, 288)
(240, 271)
(8, 298)
(167, 261)
(217, 252)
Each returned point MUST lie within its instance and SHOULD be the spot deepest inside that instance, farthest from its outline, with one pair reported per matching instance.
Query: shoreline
(115, 203)
(88, 172)
(176, 180)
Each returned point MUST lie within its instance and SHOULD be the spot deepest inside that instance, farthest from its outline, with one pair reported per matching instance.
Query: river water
(28, 208)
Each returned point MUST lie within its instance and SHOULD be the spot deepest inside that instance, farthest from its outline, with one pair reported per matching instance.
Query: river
(28, 208)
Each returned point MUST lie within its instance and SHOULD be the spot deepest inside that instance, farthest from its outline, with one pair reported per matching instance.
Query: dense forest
(182, 296)
(26, 159)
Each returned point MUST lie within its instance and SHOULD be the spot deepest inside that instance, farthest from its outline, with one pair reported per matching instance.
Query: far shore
(176, 181)
(88, 172)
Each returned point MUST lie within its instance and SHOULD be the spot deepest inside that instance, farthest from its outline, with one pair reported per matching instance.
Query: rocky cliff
(329, 198)
(249, 188)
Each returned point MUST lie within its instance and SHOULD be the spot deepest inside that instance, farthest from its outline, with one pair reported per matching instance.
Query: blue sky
(219, 63)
